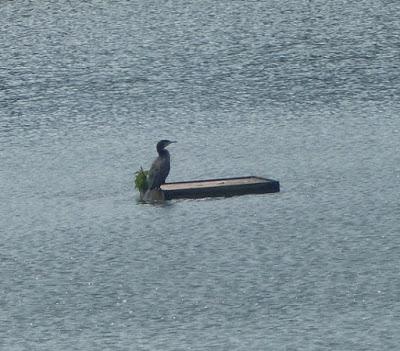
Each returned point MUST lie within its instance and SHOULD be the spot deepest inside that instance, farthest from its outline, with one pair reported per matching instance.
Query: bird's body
(160, 168)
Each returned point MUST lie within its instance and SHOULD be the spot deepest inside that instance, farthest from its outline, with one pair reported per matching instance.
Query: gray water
(305, 92)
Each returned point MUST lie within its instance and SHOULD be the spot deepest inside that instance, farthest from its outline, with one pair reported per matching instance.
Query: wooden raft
(219, 187)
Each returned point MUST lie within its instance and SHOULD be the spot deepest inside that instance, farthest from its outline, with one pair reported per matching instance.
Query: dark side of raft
(219, 187)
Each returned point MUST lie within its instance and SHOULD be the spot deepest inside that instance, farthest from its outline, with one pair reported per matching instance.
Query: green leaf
(141, 180)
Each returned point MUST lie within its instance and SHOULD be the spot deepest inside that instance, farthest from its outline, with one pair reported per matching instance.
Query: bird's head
(162, 144)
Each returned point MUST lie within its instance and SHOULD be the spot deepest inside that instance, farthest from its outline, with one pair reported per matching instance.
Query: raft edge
(268, 186)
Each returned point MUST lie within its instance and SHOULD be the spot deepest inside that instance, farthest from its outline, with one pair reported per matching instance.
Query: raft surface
(219, 187)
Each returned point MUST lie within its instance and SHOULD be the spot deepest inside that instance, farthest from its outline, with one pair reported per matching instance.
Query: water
(306, 92)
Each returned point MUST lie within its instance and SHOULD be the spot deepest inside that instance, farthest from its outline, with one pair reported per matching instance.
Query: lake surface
(305, 92)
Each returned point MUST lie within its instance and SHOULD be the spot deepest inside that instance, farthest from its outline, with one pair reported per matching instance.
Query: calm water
(306, 92)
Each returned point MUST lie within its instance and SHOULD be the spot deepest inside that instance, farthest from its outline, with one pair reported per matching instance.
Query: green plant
(141, 180)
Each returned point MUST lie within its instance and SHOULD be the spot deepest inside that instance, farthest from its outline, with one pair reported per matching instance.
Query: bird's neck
(162, 152)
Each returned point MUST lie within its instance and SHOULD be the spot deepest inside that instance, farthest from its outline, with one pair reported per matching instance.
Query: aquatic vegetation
(141, 180)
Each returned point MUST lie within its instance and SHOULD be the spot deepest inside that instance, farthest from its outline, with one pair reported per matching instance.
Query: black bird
(160, 168)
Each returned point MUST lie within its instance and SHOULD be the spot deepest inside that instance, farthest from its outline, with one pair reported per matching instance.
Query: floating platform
(219, 187)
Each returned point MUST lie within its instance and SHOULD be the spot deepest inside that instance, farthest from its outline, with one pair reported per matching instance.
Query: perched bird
(160, 168)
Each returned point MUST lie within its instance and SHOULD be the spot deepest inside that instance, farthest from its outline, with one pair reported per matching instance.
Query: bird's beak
(172, 142)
